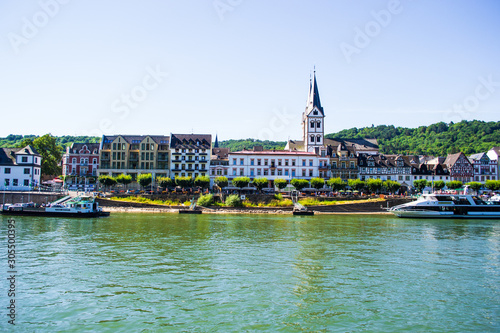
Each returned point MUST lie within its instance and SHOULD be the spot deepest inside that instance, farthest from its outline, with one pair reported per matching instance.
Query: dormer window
(315, 112)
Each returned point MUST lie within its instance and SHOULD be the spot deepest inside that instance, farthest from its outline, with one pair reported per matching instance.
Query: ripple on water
(248, 273)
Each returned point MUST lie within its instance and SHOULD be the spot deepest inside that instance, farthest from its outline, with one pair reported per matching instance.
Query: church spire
(216, 144)
(313, 100)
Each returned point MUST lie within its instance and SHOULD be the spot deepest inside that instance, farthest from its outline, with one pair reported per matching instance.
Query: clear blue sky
(241, 68)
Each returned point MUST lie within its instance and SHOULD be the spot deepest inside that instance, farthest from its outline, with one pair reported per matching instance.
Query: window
(26, 182)
(73, 160)
(293, 162)
(7, 170)
(7, 182)
(279, 162)
(259, 172)
(241, 172)
(252, 161)
(303, 162)
(251, 172)
(286, 162)
(266, 172)
(234, 161)
(310, 173)
(293, 172)
(265, 162)
(303, 173)
(315, 112)
(26, 171)
(258, 161)
(280, 172)
(312, 138)
(310, 162)
(241, 161)
(24, 159)
(312, 124)
(234, 172)
(15, 182)
(286, 172)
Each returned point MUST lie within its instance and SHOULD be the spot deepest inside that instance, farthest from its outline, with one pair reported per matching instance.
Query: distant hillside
(236, 145)
(437, 139)
(12, 141)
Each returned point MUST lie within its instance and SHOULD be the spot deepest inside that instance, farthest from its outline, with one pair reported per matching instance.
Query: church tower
(313, 129)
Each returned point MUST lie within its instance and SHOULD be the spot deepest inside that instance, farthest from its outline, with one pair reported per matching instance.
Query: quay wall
(12, 197)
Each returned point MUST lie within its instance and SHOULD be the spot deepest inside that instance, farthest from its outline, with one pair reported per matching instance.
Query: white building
(20, 169)
(190, 155)
(274, 164)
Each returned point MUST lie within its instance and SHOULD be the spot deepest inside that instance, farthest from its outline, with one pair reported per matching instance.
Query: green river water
(246, 273)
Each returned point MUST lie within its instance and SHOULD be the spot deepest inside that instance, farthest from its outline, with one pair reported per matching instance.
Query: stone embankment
(361, 207)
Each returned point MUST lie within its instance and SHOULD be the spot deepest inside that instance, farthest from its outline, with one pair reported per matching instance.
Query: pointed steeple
(216, 144)
(313, 100)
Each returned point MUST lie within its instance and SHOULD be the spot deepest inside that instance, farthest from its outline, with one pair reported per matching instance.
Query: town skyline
(249, 61)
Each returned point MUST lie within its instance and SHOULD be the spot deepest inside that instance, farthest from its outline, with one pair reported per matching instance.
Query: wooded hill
(438, 139)
(13, 141)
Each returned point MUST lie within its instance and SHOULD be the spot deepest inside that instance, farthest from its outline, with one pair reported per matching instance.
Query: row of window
(267, 172)
(190, 150)
(190, 158)
(83, 160)
(7, 171)
(15, 182)
(275, 162)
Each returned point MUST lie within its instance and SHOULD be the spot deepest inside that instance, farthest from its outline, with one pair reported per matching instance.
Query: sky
(241, 69)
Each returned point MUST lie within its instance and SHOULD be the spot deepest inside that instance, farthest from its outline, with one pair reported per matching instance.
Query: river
(232, 273)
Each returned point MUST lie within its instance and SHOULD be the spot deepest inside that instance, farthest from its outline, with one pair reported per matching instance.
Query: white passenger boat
(448, 206)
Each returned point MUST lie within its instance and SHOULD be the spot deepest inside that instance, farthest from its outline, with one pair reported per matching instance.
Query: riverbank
(375, 207)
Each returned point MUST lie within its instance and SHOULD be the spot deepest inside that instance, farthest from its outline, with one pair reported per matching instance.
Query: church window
(312, 138)
(312, 124)
(318, 139)
(315, 112)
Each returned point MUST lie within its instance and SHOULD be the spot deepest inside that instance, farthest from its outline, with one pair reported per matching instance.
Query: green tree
(205, 200)
(280, 183)
(184, 182)
(49, 150)
(124, 179)
(107, 181)
(475, 186)
(419, 184)
(454, 184)
(299, 184)
(241, 182)
(391, 186)
(439, 185)
(356, 184)
(337, 184)
(374, 185)
(202, 181)
(145, 179)
(317, 183)
(164, 182)
(260, 183)
(221, 181)
(492, 185)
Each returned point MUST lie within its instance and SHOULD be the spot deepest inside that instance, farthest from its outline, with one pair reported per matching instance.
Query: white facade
(275, 164)
(21, 171)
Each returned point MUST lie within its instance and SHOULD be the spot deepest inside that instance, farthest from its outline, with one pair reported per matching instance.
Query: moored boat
(444, 205)
(84, 206)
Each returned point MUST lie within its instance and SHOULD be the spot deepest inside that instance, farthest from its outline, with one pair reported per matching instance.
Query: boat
(82, 206)
(299, 209)
(444, 205)
(191, 210)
